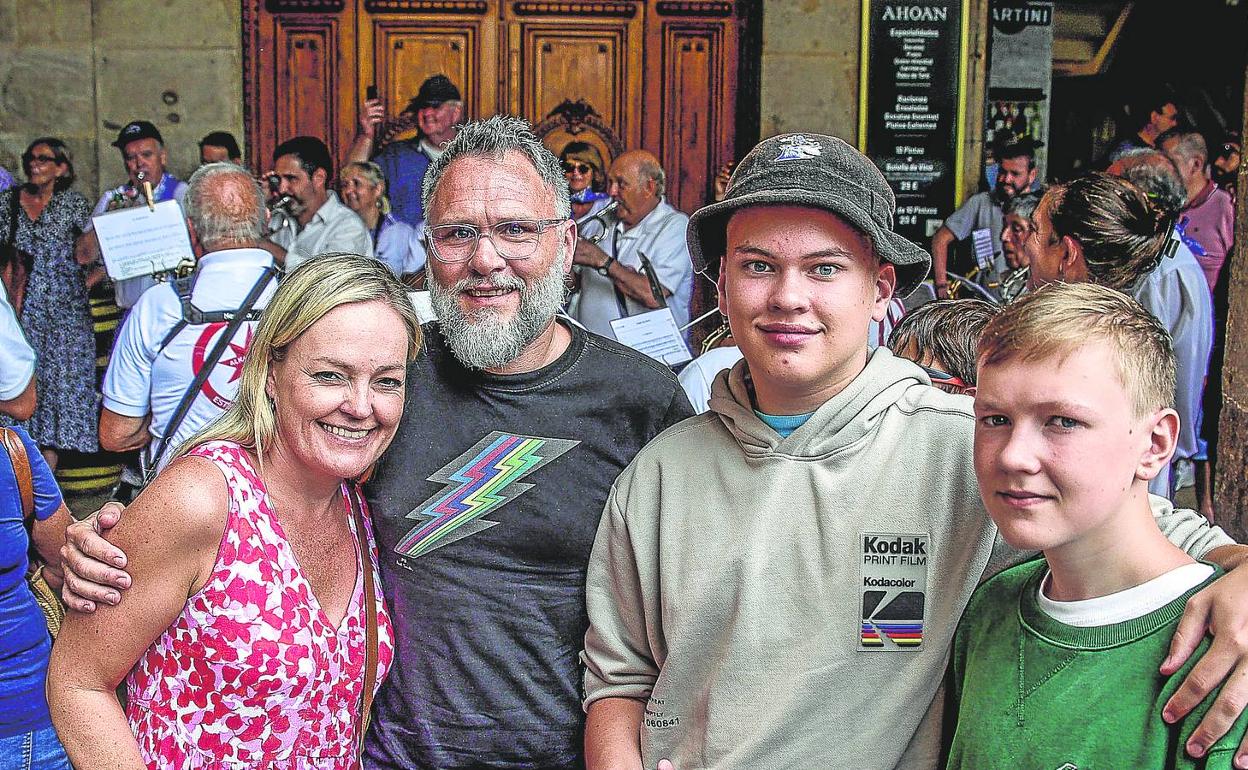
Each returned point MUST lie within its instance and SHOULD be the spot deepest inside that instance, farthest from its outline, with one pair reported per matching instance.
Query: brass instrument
(605, 217)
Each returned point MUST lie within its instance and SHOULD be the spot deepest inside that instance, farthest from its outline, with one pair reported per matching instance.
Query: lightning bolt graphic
(479, 481)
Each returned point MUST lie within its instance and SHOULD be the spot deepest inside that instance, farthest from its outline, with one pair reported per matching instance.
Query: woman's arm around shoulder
(170, 535)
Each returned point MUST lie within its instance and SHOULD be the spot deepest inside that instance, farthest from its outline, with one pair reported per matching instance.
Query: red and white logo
(227, 370)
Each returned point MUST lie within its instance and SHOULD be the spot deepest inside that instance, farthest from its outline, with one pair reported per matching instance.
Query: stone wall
(82, 69)
(810, 67)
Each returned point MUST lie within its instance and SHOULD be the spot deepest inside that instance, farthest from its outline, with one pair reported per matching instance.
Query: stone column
(1231, 484)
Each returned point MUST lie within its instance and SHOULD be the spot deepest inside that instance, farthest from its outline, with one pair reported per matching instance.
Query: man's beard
(487, 338)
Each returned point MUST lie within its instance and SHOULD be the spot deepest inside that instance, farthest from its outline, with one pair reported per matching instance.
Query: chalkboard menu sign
(910, 114)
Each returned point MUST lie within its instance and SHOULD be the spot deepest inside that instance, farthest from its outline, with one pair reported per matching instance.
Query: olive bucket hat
(821, 172)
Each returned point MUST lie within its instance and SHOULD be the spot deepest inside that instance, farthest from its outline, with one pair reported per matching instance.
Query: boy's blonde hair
(1057, 319)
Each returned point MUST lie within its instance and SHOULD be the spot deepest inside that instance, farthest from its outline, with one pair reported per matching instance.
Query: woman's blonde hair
(373, 173)
(304, 297)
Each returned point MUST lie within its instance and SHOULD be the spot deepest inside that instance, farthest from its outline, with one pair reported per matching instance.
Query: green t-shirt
(1027, 691)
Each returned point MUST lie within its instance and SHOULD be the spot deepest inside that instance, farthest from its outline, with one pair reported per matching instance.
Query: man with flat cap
(776, 583)
(143, 151)
(439, 109)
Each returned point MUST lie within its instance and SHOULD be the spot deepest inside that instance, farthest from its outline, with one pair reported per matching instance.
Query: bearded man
(486, 504)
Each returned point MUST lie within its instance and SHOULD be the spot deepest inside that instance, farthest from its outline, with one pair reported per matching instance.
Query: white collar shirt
(145, 377)
(660, 236)
(333, 227)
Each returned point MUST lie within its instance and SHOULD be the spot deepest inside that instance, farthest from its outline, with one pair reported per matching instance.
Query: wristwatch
(606, 266)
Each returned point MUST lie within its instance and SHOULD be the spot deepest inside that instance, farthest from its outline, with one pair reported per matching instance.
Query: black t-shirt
(485, 508)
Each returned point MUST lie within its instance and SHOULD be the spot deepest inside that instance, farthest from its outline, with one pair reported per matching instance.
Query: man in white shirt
(17, 366)
(143, 151)
(314, 221)
(157, 356)
(614, 283)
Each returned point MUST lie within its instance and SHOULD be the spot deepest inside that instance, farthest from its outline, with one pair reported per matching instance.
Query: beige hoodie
(791, 603)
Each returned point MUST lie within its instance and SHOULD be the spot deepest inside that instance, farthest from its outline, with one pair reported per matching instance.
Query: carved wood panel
(404, 51)
(303, 83)
(691, 99)
(588, 51)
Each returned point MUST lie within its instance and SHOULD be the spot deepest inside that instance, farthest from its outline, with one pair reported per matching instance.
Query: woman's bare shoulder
(186, 504)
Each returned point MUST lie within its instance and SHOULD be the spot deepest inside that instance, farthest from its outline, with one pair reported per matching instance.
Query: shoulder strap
(21, 470)
(370, 616)
(210, 362)
(183, 286)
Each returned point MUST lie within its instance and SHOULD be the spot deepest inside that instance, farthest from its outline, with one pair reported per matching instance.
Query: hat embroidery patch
(797, 147)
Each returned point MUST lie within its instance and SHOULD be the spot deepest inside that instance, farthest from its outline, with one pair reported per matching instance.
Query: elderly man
(143, 150)
(485, 505)
(983, 211)
(1210, 211)
(613, 274)
(313, 221)
(776, 583)
(438, 108)
(156, 394)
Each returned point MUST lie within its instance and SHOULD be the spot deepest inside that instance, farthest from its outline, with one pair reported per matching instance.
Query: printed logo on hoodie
(894, 590)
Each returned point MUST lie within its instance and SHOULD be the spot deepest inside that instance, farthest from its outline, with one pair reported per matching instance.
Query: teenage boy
(1074, 416)
(776, 583)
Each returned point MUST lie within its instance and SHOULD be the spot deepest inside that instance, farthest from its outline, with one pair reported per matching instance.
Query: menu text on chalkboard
(910, 120)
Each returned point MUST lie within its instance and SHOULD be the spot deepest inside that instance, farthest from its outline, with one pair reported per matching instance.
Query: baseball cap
(135, 130)
(434, 91)
(821, 172)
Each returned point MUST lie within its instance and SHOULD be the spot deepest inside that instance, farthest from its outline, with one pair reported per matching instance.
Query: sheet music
(143, 240)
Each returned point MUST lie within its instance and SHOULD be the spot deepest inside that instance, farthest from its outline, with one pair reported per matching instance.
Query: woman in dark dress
(55, 315)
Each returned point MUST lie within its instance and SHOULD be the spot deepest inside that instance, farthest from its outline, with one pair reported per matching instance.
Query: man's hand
(93, 567)
(589, 255)
(371, 116)
(1221, 611)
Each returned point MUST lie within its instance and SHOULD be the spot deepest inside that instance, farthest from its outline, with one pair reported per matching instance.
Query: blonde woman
(246, 637)
(363, 188)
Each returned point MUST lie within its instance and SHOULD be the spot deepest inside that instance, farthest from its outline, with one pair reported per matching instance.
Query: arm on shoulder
(170, 535)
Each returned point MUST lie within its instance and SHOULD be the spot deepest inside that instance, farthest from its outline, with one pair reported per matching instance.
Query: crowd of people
(880, 524)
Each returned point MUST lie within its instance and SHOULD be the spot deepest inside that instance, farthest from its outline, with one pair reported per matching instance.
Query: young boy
(1055, 661)
(941, 337)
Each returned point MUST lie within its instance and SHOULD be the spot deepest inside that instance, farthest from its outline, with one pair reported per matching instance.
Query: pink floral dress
(252, 674)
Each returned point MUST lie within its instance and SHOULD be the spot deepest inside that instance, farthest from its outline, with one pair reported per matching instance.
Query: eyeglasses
(44, 159)
(576, 168)
(516, 239)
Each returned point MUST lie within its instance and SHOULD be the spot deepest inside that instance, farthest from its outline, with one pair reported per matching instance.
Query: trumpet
(606, 219)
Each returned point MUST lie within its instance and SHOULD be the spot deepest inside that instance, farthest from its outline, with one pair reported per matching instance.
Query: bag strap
(21, 470)
(370, 615)
(210, 362)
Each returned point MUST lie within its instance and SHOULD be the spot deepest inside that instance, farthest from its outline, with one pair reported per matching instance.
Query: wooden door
(576, 51)
(403, 46)
(304, 75)
(691, 107)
